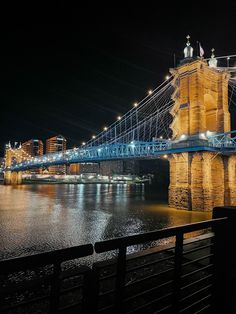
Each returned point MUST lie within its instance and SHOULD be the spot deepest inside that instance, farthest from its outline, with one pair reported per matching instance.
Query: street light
(135, 104)
(94, 136)
(105, 128)
(228, 58)
(150, 92)
(119, 118)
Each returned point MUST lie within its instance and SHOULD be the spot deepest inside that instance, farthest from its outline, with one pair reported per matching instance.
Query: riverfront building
(33, 148)
(53, 145)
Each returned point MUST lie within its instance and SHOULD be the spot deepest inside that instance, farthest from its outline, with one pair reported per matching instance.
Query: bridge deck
(220, 143)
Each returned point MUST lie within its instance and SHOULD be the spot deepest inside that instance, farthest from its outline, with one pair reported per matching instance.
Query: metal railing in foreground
(37, 283)
(178, 280)
(175, 279)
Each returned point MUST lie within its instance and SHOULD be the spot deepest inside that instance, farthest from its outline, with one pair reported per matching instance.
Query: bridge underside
(202, 180)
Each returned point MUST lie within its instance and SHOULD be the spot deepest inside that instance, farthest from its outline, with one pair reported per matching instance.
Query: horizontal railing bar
(165, 248)
(66, 290)
(147, 291)
(77, 272)
(69, 306)
(163, 309)
(149, 277)
(108, 307)
(113, 275)
(114, 244)
(197, 271)
(203, 309)
(195, 303)
(103, 294)
(198, 238)
(197, 281)
(195, 293)
(198, 249)
(149, 264)
(45, 258)
(150, 303)
(197, 260)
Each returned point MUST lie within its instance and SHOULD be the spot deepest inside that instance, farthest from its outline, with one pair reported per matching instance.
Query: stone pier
(12, 177)
(202, 181)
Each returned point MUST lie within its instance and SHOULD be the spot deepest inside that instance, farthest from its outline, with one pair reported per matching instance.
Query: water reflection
(37, 218)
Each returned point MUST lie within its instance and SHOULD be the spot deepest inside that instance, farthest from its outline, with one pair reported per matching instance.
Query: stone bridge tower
(200, 180)
(13, 155)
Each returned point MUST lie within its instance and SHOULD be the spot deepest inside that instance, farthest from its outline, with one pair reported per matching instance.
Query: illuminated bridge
(186, 119)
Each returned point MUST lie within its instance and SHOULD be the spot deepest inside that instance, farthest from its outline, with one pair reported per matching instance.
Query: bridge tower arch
(200, 180)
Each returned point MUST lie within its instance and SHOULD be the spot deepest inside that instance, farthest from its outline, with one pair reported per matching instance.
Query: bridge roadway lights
(12, 178)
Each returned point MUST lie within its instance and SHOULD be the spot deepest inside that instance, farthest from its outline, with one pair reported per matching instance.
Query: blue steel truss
(220, 143)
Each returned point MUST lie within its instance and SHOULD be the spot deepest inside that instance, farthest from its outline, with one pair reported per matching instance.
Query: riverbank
(84, 179)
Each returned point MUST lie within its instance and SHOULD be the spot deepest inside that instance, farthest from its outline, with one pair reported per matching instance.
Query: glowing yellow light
(119, 118)
(167, 77)
(105, 128)
(94, 136)
(135, 104)
(165, 156)
(150, 92)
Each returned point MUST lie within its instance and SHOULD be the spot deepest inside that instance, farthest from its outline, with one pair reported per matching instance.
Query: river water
(40, 217)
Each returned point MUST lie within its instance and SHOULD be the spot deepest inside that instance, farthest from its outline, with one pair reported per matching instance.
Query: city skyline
(74, 79)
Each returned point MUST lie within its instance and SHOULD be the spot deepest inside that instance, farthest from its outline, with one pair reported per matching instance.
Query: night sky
(75, 75)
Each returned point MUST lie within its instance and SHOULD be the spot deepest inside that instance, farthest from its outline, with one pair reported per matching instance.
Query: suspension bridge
(186, 118)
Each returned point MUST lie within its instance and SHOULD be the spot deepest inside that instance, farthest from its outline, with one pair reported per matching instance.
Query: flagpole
(198, 49)
(174, 59)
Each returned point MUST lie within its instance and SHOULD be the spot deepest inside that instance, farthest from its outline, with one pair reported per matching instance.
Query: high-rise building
(53, 145)
(32, 148)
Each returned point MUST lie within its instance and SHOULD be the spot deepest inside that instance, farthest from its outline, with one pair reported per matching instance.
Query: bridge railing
(134, 149)
(177, 277)
(102, 152)
(223, 140)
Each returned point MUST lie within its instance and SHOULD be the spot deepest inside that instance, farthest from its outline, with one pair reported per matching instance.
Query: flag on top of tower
(201, 51)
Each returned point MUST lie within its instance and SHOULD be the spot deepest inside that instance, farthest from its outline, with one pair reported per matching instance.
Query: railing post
(55, 288)
(177, 270)
(91, 291)
(120, 279)
(224, 261)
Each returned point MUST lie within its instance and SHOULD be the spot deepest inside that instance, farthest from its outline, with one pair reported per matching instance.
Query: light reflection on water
(37, 218)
